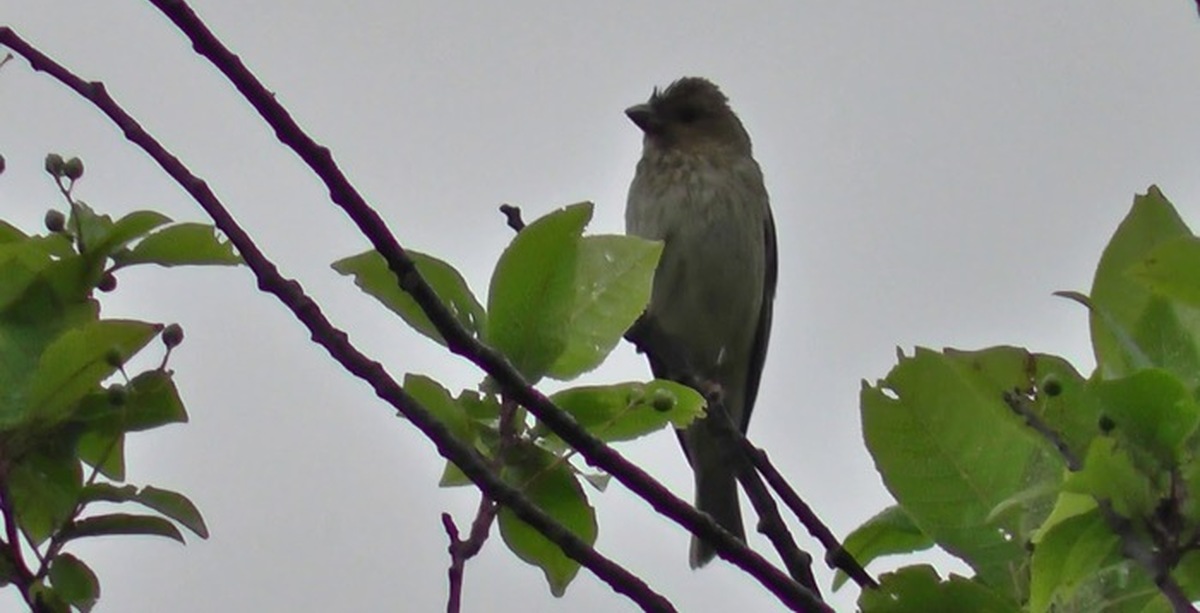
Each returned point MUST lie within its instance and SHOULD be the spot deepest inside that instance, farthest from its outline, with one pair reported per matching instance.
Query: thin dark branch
(458, 339)
(836, 555)
(463, 550)
(1133, 546)
(770, 522)
(335, 341)
(22, 577)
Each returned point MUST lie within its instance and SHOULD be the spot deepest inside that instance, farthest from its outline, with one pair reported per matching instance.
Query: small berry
(172, 335)
(1106, 424)
(55, 221)
(73, 168)
(114, 358)
(107, 283)
(54, 164)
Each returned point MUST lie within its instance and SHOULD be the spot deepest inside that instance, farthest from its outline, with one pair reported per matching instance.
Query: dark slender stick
(835, 554)
(337, 344)
(463, 550)
(458, 339)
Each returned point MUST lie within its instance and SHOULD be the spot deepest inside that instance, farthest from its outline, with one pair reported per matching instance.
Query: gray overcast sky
(937, 169)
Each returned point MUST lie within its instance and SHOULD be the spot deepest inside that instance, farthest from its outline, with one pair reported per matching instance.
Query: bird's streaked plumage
(698, 189)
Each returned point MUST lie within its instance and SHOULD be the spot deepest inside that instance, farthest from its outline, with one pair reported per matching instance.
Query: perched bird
(699, 190)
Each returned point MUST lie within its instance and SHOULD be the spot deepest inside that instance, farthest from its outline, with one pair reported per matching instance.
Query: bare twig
(770, 522)
(335, 341)
(513, 216)
(458, 339)
(836, 555)
(463, 550)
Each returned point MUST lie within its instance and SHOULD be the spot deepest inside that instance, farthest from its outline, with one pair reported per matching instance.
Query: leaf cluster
(67, 401)
(558, 302)
(1061, 492)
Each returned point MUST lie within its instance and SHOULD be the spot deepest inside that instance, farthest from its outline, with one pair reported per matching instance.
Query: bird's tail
(716, 489)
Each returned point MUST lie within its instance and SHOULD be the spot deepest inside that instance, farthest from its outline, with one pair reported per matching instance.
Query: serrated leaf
(179, 245)
(74, 581)
(371, 273)
(625, 411)
(121, 523)
(613, 279)
(950, 451)
(548, 482)
(889, 532)
(532, 291)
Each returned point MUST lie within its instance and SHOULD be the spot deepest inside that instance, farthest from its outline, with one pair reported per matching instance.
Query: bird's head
(690, 115)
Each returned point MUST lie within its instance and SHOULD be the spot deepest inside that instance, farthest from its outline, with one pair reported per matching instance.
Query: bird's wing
(762, 334)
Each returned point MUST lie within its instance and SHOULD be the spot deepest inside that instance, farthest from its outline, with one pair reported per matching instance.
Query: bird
(698, 189)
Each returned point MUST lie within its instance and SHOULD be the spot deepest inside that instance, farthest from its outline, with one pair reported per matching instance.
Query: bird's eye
(688, 114)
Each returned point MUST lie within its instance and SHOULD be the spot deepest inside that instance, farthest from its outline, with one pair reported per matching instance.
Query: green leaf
(1153, 409)
(105, 451)
(90, 227)
(1109, 474)
(372, 274)
(107, 492)
(121, 523)
(549, 483)
(918, 588)
(179, 245)
(74, 581)
(951, 451)
(128, 228)
(613, 279)
(76, 362)
(151, 401)
(532, 291)
(1066, 403)
(436, 399)
(1187, 573)
(625, 411)
(44, 487)
(176, 506)
(172, 504)
(1124, 304)
(1067, 555)
(889, 532)
(453, 476)
(1172, 268)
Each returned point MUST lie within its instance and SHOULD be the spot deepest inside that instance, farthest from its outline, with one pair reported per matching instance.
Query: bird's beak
(644, 117)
